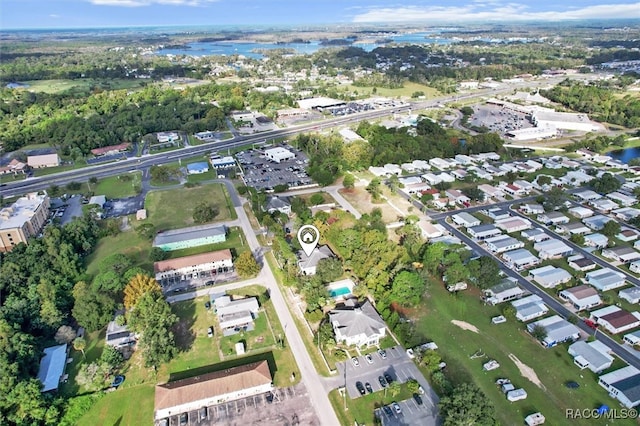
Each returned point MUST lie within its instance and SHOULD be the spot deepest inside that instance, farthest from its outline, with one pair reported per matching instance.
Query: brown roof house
(616, 320)
(190, 394)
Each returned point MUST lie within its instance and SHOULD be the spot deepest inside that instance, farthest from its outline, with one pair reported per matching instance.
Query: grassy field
(128, 243)
(50, 170)
(554, 367)
(407, 90)
(171, 209)
(117, 186)
(84, 85)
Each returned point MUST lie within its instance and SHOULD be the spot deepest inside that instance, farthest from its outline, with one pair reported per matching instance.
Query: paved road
(622, 351)
(331, 190)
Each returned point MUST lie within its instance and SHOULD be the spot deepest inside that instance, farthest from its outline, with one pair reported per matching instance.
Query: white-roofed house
(520, 259)
(549, 276)
(587, 195)
(580, 212)
(596, 222)
(632, 338)
(553, 218)
(430, 230)
(628, 234)
(593, 355)
(605, 279)
(465, 219)
(431, 178)
(552, 248)
(513, 224)
(557, 329)
(576, 177)
(529, 308)
(502, 243)
(535, 235)
(626, 213)
(358, 325)
(506, 290)
(532, 209)
(621, 254)
(393, 169)
(482, 232)
(446, 177)
(623, 385)
(421, 164)
(622, 199)
(596, 240)
(603, 205)
(439, 163)
(457, 196)
(581, 297)
(575, 228)
(631, 294)
(491, 191)
(635, 266)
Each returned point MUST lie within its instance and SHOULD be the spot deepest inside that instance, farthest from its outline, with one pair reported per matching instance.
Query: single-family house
(596, 240)
(552, 248)
(616, 320)
(581, 297)
(493, 171)
(576, 178)
(574, 228)
(580, 212)
(459, 174)
(497, 213)
(465, 160)
(529, 308)
(557, 330)
(491, 191)
(623, 385)
(409, 180)
(524, 185)
(626, 213)
(52, 367)
(513, 224)
(465, 219)
(623, 199)
(439, 163)
(596, 222)
(457, 196)
(357, 324)
(416, 188)
(235, 315)
(636, 245)
(308, 264)
(635, 266)
(506, 290)
(534, 234)
(392, 169)
(621, 254)
(512, 189)
(535, 166)
(408, 167)
(581, 263)
(631, 294)
(119, 336)
(430, 230)
(431, 178)
(553, 218)
(632, 338)
(605, 279)
(502, 243)
(549, 276)
(593, 355)
(482, 232)
(520, 259)
(278, 204)
(587, 195)
(480, 173)
(442, 203)
(446, 177)
(627, 234)
(532, 209)
(508, 168)
(603, 205)
(421, 165)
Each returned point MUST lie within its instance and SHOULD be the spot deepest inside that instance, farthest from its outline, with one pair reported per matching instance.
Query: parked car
(396, 407)
(388, 377)
(410, 353)
(210, 332)
(368, 387)
(387, 410)
(417, 398)
(360, 388)
(382, 381)
(369, 358)
(355, 361)
(382, 353)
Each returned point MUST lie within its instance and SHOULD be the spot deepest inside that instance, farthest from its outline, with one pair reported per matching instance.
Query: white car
(499, 319)
(355, 361)
(410, 353)
(369, 358)
(517, 395)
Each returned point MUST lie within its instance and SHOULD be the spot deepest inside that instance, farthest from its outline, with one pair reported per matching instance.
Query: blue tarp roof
(52, 366)
(198, 166)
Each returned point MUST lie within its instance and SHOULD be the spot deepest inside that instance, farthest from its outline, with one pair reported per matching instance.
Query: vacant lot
(84, 85)
(407, 90)
(128, 243)
(173, 208)
(553, 366)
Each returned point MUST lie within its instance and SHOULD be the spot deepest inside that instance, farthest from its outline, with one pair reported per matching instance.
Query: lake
(625, 155)
(248, 48)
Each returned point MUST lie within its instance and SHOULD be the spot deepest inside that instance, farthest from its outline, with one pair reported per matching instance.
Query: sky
(17, 14)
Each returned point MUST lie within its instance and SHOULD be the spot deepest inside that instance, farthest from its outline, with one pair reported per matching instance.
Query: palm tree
(79, 344)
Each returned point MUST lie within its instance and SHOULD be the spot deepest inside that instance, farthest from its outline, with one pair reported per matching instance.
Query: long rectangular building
(22, 220)
(190, 237)
(188, 267)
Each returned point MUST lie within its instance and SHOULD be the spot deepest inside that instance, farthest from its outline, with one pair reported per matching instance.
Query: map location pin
(308, 236)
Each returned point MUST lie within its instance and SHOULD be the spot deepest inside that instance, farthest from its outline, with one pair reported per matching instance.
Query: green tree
(611, 228)
(407, 288)
(329, 269)
(156, 254)
(374, 189)
(79, 344)
(65, 334)
(112, 357)
(246, 265)
(606, 183)
(539, 332)
(577, 239)
(93, 376)
(146, 231)
(484, 272)
(316, 199)
(431, 361)
(394, 388)
(508, 311)
(467, 406)
(204, 212)
(413, 385)
(27, 405)
(93, 310)
(137, 287)
(349, 181)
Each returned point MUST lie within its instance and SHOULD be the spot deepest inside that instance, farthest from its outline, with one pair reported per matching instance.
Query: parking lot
(412, 414)
(398, 367)
(262, 173)
(285, 406)
(205, 279)
(498, 119)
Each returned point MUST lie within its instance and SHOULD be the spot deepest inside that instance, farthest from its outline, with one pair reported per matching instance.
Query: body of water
(248, 49)
(625, 155)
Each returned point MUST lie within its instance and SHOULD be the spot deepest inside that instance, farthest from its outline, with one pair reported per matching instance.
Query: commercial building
(582, 297)
(565, 121)
(549, 276)
(623, 385)
(223, 162)
(592, 355)
(165, 137)
(42, 161)
(190, 237)
(182, 396)
(279, 154)
(558, 330)
(22, 220)
(111, 149)
(188, 267)
(52, 367)
(532, 133)
(357, 324)
(197, 168)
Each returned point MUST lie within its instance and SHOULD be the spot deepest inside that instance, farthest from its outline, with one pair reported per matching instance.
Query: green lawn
(128, 243)
(126, 406)
(82, 85)
(173, 208)
(553, 366)
(50, 170)
(122, 186)
(406, 91)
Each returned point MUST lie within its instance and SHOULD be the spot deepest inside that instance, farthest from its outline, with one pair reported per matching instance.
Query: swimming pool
(340, 291)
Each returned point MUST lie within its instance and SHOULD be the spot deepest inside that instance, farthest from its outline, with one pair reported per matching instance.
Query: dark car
(360, 388)
(388, 377)
(382, 381)
(417, 398)
(368, 387)
(207, 305)
(387, 410)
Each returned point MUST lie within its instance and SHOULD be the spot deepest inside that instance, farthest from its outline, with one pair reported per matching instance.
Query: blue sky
(110, 13)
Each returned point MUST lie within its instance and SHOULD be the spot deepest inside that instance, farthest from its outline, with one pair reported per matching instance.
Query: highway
(626, 354)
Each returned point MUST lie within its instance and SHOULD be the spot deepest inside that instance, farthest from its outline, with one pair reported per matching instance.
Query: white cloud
(55, 16)
(491, 10)
(139, 3)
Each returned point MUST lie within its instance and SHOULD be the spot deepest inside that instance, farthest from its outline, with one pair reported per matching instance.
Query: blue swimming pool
(340, 291)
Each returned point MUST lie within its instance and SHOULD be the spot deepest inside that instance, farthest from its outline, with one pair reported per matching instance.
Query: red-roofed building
(111, 149)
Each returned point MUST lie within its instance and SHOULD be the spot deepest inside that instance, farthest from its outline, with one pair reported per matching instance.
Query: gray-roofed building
(308, 264)
(359, 325)
(575, 228)
(604, 205)
(605, 279)
(626, 213)
(624, 385)
(482, 232)
(549, 276)
(593, 355)
(503, 243)
(520, 259)
(596, 222)
(621, 254)
(98, 200)
(581, 297)
(278, 204)
(497, 213)
(119, 336)
(580, 212)
(508, 289)
(532, 209)
(631, 295)
(596, 240)
(552, 248)
(529, 308)
(587, 195)
(553, 218)
(513, 224)
(536, 235)
(235, 314)
(190, 237)
(52, 367)
(632, 338)
(581, 263)
(558, 330)
(465, 219)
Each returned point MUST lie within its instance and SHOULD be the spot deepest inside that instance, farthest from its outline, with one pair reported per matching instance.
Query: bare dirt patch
(360, 199)
(465, 326)
(526, 371)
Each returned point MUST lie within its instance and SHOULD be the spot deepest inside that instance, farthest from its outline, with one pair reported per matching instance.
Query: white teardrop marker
(308, 236)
